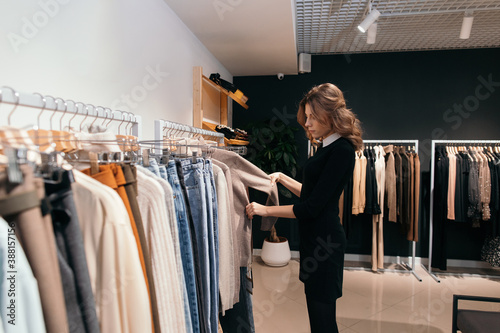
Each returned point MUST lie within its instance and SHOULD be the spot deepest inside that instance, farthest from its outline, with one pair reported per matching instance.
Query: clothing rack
(408, 268)
(163, 126)
(431, 208)
(68, 107)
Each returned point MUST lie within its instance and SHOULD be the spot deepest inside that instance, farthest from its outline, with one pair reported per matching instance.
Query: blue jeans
(239, 319)
(196, 256)
(213, 241)
(163, 171)
(185, 243)
(196, 191)
(153, 167)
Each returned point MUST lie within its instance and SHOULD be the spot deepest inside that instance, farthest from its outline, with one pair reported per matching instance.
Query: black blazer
(322, 238)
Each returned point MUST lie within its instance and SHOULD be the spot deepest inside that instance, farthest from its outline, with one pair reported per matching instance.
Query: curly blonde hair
(327, 103)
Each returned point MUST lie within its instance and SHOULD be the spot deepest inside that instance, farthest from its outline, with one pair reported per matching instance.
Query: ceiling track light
(467, 25)
(369, 20)
(371, 36)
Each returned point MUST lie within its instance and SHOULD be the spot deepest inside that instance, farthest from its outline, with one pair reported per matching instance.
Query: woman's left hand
(255, 209)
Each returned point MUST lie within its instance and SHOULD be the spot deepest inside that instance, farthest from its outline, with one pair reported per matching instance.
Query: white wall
(133, 55)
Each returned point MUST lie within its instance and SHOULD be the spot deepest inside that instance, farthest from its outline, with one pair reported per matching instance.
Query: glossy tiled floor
(372, 302)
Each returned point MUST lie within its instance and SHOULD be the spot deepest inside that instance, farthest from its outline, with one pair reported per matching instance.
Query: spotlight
(369, 19)
(466, 25)
(372, 34)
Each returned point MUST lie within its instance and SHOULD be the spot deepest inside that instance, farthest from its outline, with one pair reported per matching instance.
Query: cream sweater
(116, 277)
(151, 198)
(226, 246)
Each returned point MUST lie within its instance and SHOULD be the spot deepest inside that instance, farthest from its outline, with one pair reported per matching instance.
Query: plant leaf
(286, 158)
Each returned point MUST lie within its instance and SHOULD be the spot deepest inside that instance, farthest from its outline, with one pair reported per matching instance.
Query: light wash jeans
(213, 240)
(184, 242)
(196, 190)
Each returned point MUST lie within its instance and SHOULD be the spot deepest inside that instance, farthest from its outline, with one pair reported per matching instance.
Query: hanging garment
(156, 216)
(412, 193)
(27, 315)
(413, 236)
(130, 174)
(172, 224)
(356, 184)
(20, 204)
(172, 234)
(112, 176)
(390, 185)
(473, 211)
(452, 175)
(398, 163)
(229, 181)
(79, 300)
(213, 241)
(439, 240)
(459, 186)
(372, 206)
(378, 219)
(466, 165)
(486, 189)
(362, 186)
(244, 174)
(195, 185)
(240, 317)
(185, 242)
(199, 277)
(495, 198)
(407, 194)
(226, 245)
(116, 275)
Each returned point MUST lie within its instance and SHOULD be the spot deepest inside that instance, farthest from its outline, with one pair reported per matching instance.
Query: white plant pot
(276, 254)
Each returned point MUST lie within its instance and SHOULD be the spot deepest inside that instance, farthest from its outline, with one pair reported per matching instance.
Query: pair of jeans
(194, 180)
(213, 243)
(163, 171)
(184, 242)
(153, 167)
(239, 319)
(196, 262)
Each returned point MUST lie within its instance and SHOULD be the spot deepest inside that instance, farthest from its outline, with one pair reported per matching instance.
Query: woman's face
(316, 127)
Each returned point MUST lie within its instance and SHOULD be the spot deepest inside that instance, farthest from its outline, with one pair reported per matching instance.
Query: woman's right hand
(275, 178)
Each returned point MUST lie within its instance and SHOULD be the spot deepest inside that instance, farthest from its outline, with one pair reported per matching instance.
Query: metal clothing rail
(408, 268)
(13, 97)
(161, 126)
(431, 208)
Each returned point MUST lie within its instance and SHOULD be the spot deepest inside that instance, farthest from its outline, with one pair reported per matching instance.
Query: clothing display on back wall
(151, 246)
(385, 183)
(466, 189)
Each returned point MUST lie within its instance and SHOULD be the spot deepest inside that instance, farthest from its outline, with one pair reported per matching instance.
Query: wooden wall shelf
(210, 100)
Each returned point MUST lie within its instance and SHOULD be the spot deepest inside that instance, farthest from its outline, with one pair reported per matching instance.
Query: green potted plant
(273, 148)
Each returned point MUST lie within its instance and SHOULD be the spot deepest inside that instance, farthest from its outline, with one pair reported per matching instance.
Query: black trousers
(322, 316)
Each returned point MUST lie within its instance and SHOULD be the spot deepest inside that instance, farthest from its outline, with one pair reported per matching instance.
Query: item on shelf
(232, 134)
(223, 83)
(241, 133)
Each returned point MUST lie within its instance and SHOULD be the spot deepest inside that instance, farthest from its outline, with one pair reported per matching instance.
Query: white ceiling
(249, 37)
(263, 37)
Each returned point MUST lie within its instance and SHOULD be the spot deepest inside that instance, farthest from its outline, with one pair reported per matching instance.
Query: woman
(324, 116)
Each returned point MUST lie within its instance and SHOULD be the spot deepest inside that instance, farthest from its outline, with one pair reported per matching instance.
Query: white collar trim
(331, 139)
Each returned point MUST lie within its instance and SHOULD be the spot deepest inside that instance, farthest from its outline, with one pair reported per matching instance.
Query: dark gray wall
(415, 95)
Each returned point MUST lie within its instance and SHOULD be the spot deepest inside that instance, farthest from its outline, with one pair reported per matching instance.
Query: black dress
(322, 237)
